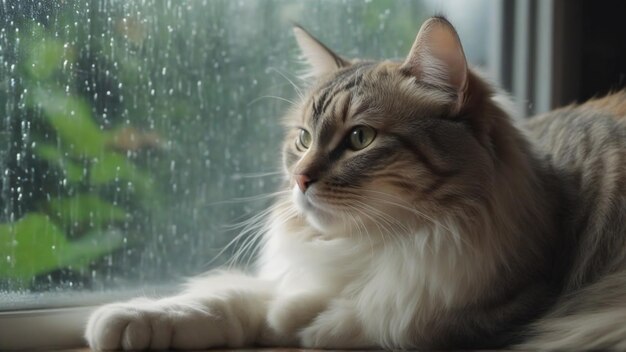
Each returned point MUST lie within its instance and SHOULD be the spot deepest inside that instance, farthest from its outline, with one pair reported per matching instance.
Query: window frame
(40, 328)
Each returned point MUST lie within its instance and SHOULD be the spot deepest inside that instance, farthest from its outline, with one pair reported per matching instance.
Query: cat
(417, 213)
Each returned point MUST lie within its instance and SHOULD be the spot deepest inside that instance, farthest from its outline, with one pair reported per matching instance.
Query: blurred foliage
(129, 120)
(79, 222)
(39, 246)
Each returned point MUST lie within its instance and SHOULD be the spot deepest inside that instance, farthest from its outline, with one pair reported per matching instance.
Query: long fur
(451, 228)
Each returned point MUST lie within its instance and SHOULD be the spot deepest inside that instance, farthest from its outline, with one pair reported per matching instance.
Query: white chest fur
(396, 286)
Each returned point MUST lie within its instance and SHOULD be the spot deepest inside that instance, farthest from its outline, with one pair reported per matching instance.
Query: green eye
(361, 137)
(304, 140)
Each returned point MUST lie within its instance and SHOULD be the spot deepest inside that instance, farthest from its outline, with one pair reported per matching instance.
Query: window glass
(136, 137)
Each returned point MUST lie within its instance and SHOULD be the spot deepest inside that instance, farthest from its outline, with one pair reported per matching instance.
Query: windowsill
(243, 349)
(43, 329)
(56, 320)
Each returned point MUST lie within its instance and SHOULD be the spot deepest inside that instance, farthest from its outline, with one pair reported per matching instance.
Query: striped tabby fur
(415, 214)
(540, 208)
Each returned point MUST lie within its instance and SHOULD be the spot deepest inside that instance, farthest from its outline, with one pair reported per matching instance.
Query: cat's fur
(452, 229)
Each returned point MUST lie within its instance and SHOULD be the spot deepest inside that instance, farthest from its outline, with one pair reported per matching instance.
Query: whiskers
(291, 102)
(372, 216)
(391, 228)
(259, 197)
(238, 176)
(251, 230)
(295, 87)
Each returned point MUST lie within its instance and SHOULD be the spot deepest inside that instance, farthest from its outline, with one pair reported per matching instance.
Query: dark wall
(590, 57)
(603, 56)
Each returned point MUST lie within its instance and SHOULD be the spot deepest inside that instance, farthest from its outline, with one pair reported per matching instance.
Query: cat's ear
(320, 59)
(437, 57)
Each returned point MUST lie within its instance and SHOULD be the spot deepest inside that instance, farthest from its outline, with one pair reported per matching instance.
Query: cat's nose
(303, 182)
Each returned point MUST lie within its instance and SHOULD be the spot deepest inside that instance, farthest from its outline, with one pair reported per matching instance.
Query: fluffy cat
(418, 216)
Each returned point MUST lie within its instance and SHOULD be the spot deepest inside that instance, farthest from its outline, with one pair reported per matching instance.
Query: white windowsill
(43, 328)
(50, 321)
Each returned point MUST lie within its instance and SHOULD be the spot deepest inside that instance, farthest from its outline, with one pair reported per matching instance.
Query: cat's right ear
(319, 58)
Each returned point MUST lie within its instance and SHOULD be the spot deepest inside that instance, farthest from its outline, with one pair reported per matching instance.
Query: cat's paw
(149, 324)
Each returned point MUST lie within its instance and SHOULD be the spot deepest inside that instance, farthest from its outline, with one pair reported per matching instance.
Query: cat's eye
(361, 136)
(304, 140)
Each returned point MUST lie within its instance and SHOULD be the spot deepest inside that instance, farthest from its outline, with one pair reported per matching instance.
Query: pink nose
(303, 182)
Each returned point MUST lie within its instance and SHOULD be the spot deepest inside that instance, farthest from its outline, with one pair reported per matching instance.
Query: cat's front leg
(289, 313)
(336, 327)
(204, 316)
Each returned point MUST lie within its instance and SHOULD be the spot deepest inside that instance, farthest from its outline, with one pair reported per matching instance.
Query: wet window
(137, 138)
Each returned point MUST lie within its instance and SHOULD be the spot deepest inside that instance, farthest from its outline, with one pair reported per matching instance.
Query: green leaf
(29, 246)
(35, 245)
(111, 167)
(71, 118)
(85, 210)
(73, 172)
(94, 245)
(45, 57)
(49, 153)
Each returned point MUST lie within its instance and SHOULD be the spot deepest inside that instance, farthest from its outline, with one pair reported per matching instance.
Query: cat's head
(389, 145)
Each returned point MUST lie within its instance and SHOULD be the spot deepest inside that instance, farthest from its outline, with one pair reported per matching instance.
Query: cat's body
(419, 217)
(586, 146)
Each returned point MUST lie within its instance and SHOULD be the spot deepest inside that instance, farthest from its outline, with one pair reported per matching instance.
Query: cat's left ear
(320, 59)
(437, 58)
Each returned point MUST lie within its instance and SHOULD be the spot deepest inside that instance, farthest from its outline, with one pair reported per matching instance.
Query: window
(133, 135)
